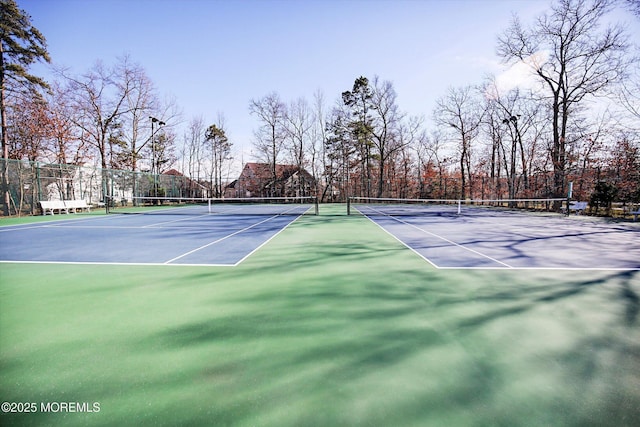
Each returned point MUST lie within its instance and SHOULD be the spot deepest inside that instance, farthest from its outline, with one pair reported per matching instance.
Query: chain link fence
(29, 182)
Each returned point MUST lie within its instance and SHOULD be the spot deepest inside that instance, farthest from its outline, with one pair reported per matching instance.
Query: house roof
(173, 172)
(263, 170)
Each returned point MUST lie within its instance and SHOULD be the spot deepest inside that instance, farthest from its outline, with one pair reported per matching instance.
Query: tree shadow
(344, 328)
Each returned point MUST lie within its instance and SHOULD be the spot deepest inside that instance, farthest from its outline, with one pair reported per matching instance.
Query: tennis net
(408, 207)
(216, 206)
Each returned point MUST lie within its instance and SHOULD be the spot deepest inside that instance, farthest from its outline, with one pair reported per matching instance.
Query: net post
(316, 205)
(459, 206)
(348, 206)
(569, 195)
(209, 210)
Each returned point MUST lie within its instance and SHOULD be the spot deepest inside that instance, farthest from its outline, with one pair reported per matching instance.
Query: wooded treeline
(576, 119)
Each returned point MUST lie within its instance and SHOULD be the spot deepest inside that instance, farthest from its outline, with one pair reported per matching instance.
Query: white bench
(75, 205)
(49, 207)
(66, 206)
(578, 207)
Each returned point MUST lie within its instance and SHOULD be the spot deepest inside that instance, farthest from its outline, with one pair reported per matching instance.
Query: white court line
(240, 231)
(545, 268)
(398, 239)
(135, 264)
(62, 223)
(50, 224)
(220, 239)
(267, 241)
(71, 224)
(434, 235)
(488, 267)
(142, 264)
(98, 227)
(155, 264)
(188, 218)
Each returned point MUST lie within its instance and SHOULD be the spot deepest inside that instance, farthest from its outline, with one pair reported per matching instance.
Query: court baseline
(437, 250)
(514, 240)
(219, 240)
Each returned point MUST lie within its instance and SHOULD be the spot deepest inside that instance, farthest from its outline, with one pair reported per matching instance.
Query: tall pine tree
(21, 45)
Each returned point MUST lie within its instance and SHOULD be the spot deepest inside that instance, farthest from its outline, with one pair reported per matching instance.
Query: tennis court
(332, 322)
(449, 235)
(191, 234)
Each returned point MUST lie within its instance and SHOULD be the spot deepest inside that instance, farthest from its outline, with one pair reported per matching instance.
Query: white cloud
(521, 74)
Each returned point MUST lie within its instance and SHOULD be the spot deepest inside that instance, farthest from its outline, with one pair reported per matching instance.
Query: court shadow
(438, 341)
(344, 329)
(619, 286)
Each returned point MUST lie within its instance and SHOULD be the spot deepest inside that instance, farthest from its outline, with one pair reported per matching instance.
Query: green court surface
(332, 323)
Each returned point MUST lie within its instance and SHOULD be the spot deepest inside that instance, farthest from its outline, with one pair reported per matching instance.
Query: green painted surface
(332, 323)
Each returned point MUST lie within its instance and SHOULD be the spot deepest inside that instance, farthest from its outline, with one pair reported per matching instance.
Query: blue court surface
(514, 240)
(168, 239)
(495, 240)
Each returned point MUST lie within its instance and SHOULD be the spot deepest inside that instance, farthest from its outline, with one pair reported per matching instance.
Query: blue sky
(214, 55)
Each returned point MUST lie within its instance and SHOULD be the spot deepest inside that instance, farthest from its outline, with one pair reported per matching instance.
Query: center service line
(445, 239)
(220, 239)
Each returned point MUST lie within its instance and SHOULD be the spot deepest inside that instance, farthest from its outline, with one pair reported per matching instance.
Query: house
(176, 184)
(256, 180)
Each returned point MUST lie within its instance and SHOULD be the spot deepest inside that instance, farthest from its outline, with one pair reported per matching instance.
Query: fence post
(38, 184)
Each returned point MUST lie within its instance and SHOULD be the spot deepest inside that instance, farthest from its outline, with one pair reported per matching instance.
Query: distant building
(256, 180)
(176, 184)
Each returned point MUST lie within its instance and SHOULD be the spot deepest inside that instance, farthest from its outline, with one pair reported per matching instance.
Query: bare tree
(629, 97)
(318, 136)
(494, 157)
(410, 134)
(425, 154)
(100, 104)
(385, 127)
(100, 99)
(297, 125)
(219, 148)
(271, 134)
(193, 151)
(141, 101)
(340, 153)
(460, 110)
(572, 58)
(66, 142)
(433, 164)
(633, 6)
(510, 116)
